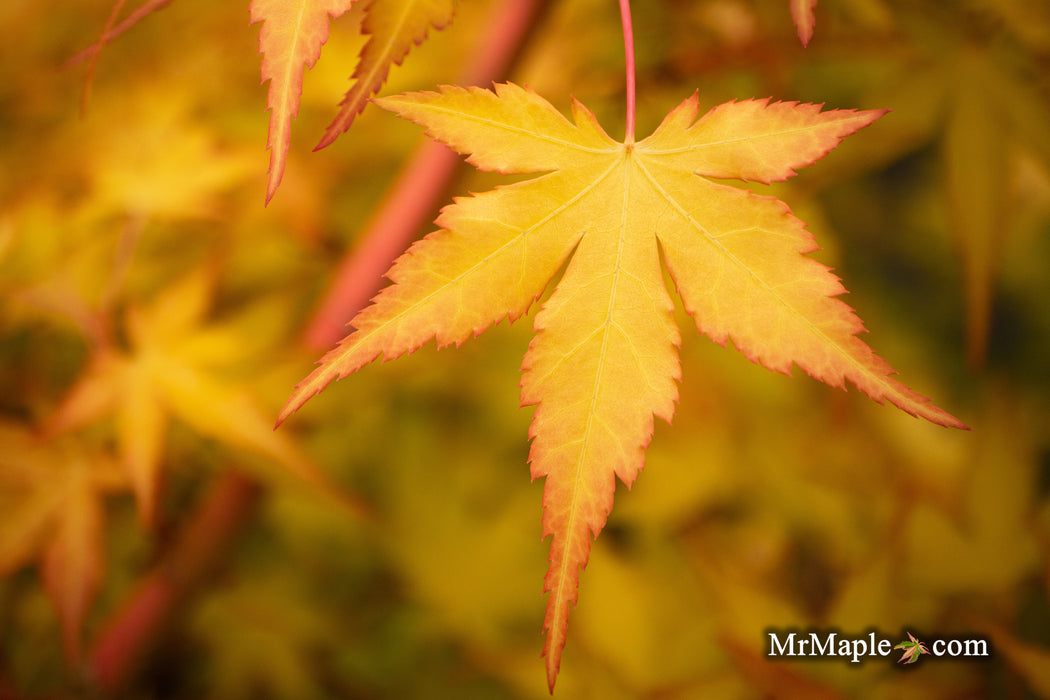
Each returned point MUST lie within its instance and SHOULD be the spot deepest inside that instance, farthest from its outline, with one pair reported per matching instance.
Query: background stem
(200, 548)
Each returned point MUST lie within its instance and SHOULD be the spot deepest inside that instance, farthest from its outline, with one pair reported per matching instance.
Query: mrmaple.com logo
(833, 644)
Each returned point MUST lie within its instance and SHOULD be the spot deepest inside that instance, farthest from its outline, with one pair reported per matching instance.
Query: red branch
(112, 33)
(200, 547)
(85, 96)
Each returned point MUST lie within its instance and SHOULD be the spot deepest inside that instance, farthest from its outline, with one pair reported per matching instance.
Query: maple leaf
(964, 98)
(53, 509)
(394, 26)
(912, 650)
(290, 40)
(803, 17)
(171, 371)
(604, 358)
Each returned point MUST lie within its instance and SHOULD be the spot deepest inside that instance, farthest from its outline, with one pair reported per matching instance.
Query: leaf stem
(628, 49)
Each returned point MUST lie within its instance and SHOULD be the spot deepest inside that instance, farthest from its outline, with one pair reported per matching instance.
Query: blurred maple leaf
(263, 638)
(52, 494)
(1031, 661)
(974, 98)
(171, 369)
(603, 362)
(802, 15)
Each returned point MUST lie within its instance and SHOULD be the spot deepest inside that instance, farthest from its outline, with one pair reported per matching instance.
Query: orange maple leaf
(54, 511)
(394, 26)
(290, 40)
(604, 358)
(804, 18)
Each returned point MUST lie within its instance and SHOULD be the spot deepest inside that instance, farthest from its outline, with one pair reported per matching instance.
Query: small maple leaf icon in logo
(912, 650)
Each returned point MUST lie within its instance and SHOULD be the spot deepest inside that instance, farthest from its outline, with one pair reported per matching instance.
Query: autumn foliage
(164, 288)
(603, 361)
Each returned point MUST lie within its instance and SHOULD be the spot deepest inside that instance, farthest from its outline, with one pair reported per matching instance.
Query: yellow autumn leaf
(57, 517)
(173, 371)
(603, 361)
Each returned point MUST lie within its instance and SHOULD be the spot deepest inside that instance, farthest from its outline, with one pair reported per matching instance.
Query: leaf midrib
(728, 141)
(565, 569)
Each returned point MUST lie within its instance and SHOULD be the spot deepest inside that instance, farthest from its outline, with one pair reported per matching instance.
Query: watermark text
(834, 644)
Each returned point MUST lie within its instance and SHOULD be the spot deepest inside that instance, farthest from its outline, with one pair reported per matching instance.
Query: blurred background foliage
(385, 542)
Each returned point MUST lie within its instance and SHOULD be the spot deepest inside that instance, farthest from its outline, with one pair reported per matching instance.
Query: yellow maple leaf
(604, 358)
(53, 493)
(171, 372)
(394, 27)
(290, 40)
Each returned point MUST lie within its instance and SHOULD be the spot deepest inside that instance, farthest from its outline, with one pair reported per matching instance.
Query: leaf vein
(749, 139)
(539, 136)
(881, 380)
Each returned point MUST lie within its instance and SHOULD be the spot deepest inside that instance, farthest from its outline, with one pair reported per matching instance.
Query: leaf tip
(272, 184)
(553, 664)
(326, 140)
(953, 422)
(283, 415)
(874, 115)
(304, 391)
(804, 17)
